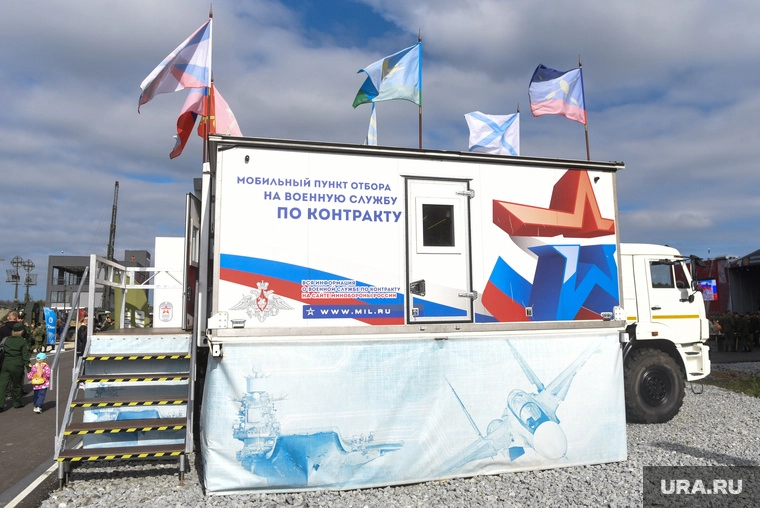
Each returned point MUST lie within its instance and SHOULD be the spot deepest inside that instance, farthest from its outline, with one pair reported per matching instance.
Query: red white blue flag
(188, 66)
(554, 92)
(222, 119)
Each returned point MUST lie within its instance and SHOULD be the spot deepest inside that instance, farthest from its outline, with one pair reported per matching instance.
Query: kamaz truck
(667, 327)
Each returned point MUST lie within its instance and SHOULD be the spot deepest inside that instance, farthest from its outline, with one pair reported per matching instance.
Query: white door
(192, 257)
(439, 285)
(671, 313)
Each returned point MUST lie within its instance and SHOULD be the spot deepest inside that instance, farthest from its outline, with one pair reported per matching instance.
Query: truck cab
(667, 329)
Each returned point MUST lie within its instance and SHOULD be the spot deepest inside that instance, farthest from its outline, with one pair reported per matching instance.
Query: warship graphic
(314, 458)
(256, 425)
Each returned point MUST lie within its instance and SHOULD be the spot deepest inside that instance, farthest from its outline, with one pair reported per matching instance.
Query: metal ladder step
(122, 452)
(134, 377)
(131, 356)
(156, 400)
(111, 427)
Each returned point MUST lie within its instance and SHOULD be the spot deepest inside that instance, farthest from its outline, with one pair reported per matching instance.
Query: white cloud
(670, 87)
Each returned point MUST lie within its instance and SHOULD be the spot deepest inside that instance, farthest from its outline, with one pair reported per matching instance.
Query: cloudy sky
(672, 90)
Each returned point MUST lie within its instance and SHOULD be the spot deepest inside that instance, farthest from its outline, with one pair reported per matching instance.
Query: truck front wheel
(654, 386)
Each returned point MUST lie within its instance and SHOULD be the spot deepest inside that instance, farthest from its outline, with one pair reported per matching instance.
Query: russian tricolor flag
(188, 66)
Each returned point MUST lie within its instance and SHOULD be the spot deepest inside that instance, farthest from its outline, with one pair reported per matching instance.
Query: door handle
(656, 307)
(417, 287)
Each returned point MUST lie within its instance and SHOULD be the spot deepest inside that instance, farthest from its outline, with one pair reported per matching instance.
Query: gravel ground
(714, 428)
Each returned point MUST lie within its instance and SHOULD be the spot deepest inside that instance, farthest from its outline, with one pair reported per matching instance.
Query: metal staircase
(131, 399)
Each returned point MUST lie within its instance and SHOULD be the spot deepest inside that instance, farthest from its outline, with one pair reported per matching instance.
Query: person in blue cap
(40, 378)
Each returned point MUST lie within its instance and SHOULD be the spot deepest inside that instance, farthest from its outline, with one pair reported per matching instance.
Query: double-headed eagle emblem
(261, 303)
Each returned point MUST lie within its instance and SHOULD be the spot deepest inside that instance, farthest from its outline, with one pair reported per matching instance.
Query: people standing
(11, 320)
(108, 323)
(16, 359)
(82, 337)
(39, 334)
(40, 378)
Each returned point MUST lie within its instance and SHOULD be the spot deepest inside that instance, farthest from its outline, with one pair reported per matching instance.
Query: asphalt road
(27, 440)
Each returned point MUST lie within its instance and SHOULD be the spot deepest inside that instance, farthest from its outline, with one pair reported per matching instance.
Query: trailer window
(438, 225)
(662, 275)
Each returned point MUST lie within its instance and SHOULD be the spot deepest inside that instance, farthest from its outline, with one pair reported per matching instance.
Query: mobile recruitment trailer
(381, 316)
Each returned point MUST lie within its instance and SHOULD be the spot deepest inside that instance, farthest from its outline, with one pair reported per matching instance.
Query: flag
(372, 130)
(188, 66)
(499, 134)
(190, 110)
(557, 93)
(51, 323)
(222, 119)
(398, 76)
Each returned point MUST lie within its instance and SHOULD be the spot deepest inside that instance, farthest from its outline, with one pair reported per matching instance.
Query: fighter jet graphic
(529, 420)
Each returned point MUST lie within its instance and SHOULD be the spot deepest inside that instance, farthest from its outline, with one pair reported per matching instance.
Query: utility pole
(111, 244)
(112, 235)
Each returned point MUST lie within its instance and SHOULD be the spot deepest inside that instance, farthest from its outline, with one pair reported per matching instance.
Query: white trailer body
(381, 316)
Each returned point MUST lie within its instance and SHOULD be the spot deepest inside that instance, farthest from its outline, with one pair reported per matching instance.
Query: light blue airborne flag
(398, 76)
(372, 130)
(499, 134)
(50, 326)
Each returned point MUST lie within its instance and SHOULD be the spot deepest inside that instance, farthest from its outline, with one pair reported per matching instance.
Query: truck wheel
(654, 386)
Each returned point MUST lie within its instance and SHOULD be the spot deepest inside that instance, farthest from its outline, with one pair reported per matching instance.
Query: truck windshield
(668, 275)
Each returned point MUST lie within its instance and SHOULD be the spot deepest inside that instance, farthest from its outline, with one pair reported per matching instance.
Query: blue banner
(50, 326)
(370, 413)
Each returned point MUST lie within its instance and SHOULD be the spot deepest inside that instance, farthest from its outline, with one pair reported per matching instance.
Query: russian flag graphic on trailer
(571, 281)
(324, 295)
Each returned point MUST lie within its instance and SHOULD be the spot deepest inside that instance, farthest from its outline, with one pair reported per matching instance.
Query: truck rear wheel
(654, 386)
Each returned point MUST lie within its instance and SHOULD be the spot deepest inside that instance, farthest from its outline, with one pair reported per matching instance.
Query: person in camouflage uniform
(39, 334)
(16, 360)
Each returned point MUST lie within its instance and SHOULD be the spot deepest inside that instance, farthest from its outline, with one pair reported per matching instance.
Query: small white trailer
(380, 316)
(355, 316)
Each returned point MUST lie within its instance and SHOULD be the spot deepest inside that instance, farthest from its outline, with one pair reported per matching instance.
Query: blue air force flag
(498, 134)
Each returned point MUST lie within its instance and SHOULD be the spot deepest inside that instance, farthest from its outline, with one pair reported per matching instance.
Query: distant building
(732, 283)
(65, 274)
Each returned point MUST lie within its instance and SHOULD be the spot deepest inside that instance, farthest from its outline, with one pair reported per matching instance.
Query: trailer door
(439, 285)
(192, 257)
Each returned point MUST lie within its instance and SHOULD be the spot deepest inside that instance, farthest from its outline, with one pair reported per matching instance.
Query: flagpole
(419, 40)
(207, 99)
(585, 125)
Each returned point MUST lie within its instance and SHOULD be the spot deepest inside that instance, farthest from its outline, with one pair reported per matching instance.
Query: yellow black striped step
(129, 378)
(157, 400)
(151, 356)
(125, 452)
(112, 427)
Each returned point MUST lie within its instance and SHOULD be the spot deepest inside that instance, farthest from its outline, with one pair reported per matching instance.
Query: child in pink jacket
(40, 377)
